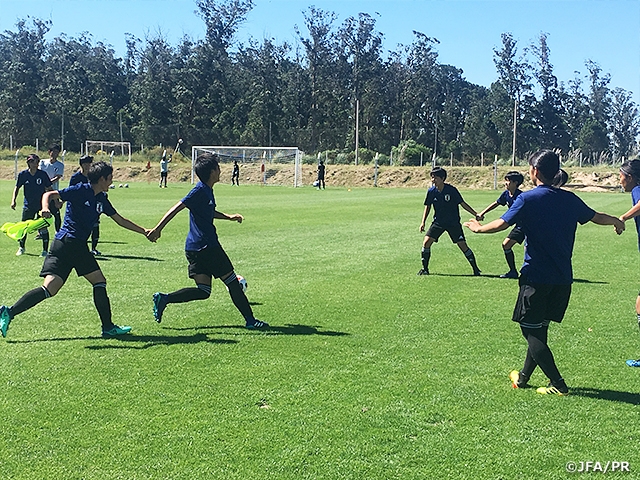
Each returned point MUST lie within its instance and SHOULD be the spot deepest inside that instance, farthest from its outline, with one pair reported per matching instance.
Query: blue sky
(605, 31)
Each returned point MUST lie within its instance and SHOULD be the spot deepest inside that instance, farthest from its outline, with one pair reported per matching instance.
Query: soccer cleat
(552, 390)
(423, 271)
(257, 325)
(5, 319)
(514, 376)
(633, 363)
(159, 304)
(20, 251)
(44, 253)
(510, 274)
(115, 331)
(96, 252)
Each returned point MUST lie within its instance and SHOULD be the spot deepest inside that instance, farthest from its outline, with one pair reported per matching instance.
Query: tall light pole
(515, 123)
(357, 126)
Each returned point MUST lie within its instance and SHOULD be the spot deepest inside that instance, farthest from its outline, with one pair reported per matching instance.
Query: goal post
(103, 147)
(276, 164)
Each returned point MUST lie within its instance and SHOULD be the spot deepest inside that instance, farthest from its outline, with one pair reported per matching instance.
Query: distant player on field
(235, 174)
(630, 182)
(81, 177)
(445, 199)
(85, 203)
(204, 253)
(35, 183)
(513, 180)
(164, 169)
(548, 217)
(321, 170)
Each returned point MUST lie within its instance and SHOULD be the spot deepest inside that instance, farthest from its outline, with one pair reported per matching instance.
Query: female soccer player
(630, 182)
(549, 218)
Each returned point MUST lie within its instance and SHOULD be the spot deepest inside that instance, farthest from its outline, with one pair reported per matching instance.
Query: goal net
(267, 165)
(102, 147)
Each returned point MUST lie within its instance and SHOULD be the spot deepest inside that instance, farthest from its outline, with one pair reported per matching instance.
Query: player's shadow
(107, 258)
(141, 342)
(582, 280)
(485, 275)
(290, 329)
(611, 395)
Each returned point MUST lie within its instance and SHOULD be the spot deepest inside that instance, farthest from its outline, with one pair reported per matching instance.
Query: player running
(512, 182)
(445, 199)
(85, 203)
(630, 182)
(548, 217)
(204, 253)
(81, 177)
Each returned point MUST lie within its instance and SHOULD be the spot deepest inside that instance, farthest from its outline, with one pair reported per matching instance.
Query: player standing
(55, 169)
(204, 253)
(164, 168)
(235, 174)
(445, 199)
(548, 217)
(513, 180)
(85, 203)
(321, 170)
(35, 183)
(630, 182)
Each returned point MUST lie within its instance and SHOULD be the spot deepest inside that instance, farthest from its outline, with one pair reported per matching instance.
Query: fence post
(495, 173)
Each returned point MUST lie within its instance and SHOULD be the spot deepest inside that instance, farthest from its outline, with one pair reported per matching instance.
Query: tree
(625, 123)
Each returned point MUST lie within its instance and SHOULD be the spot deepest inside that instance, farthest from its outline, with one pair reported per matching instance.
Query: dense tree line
(217, 91)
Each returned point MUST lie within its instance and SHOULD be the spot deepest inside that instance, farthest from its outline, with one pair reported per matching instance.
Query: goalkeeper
(35, 183)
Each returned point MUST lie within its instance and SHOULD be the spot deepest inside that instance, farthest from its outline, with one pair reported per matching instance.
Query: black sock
(95, 234)
(238, 297)
(511, 260)
(472, 259)
(541, 353)
(189, 294)
(426, 256)
(28, 300)
(103, 306)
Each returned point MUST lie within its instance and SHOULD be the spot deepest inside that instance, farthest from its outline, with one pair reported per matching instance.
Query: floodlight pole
(357, 126)
(515, 122)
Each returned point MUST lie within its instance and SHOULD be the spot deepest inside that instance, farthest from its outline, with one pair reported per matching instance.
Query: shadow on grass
(134, 341)
(611, 395)
(277, 330)
(103, 258)
(463, 275)
(581, 280)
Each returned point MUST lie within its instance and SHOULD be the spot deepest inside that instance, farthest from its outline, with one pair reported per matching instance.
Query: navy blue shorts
(516, 234)
(455, 232)
(212, 261)
(68, 254)
(538, 304)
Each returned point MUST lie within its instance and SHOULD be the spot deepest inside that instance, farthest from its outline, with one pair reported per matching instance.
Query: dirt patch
(482, 178)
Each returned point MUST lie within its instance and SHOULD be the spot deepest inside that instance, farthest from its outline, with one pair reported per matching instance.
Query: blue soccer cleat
(5, 320)
(159, 304)
(257, 325)
(115, 331)
(631, 363)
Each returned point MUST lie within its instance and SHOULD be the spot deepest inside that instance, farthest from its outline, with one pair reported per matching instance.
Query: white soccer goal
(102, 147)
(269, 159)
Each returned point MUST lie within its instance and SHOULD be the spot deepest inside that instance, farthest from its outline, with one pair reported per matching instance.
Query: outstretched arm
(492, 227)
(236, 217)
(605, 219)
(469, 209)
(154, 234)
(129, 225)
(486, 210)
(633, 212)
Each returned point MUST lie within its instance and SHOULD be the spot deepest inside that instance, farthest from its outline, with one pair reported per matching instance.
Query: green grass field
(369, 371)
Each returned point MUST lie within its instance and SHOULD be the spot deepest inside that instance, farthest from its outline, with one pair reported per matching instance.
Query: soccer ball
(126, 185)
(243, 283)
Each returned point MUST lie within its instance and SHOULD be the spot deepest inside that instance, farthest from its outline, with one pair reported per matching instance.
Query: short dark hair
(439, 172)
(631, 169)
(55, 146)
(546, 162)
(86, 159)
(515, 176)
(205, 164)
(33, 156)
(99, 170)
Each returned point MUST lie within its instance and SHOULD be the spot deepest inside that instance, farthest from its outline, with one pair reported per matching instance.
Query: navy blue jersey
(635, 197)
(83, 211)
(445, 203)
(507, 199)
(78, 177)
(202, 206)
(549, 218)
(34, 187)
